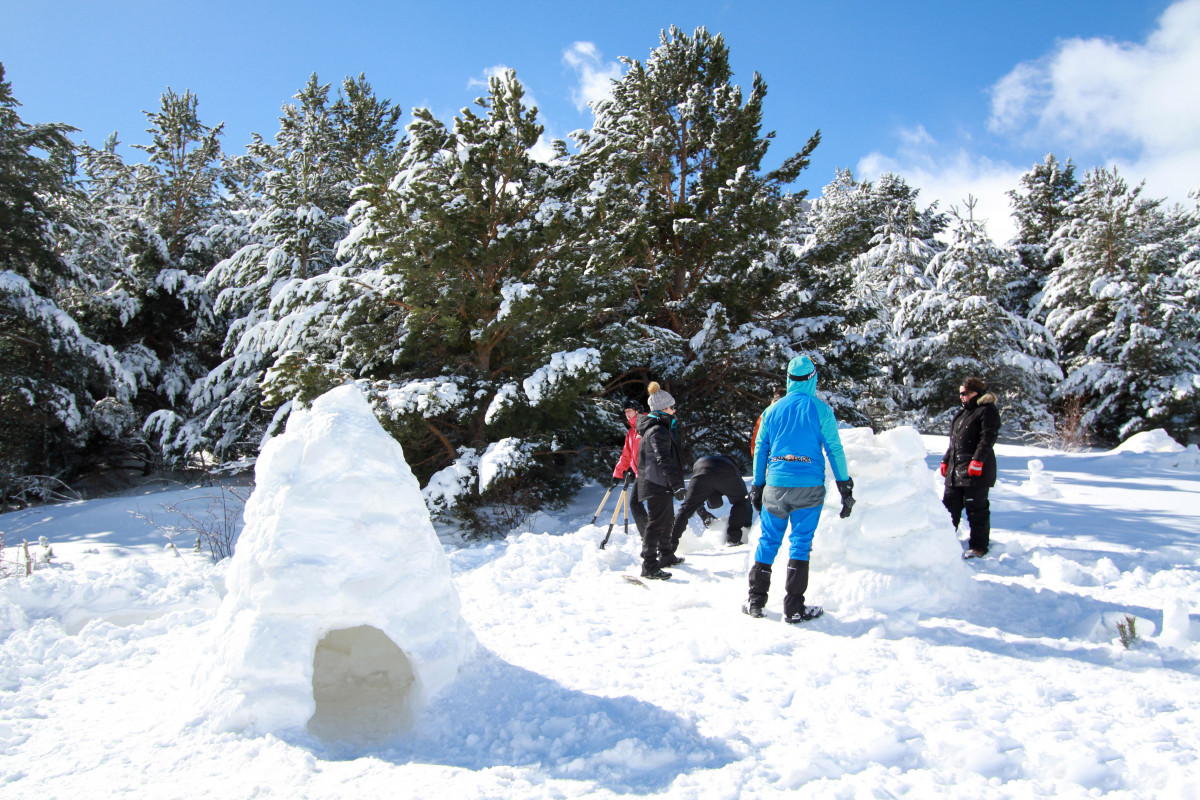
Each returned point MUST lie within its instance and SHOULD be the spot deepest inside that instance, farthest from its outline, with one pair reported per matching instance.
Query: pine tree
(51, 373)
(1119, 311)
(886, 241)
(481, 358)
(289, 207)
(958, 328)
(1039, 207)
(684, 220)
(157, 215)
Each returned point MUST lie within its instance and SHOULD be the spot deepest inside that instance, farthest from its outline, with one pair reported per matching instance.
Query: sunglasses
(963, 394)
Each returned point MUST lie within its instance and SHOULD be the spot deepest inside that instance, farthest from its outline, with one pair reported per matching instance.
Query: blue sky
(956, 96)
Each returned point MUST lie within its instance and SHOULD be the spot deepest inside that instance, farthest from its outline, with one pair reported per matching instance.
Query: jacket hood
(985, 399)
(647, 421)
(801, 367)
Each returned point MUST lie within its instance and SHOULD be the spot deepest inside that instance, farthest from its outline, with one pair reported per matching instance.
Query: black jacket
(660, 465)
(717, 476)
(972, 434)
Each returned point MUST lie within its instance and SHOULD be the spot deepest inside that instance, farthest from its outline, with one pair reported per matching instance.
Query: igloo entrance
(363, 685)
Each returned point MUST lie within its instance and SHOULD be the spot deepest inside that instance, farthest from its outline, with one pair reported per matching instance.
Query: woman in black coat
(659, 478)
(969, 465)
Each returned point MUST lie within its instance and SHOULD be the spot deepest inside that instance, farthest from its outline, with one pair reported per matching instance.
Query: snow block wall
(898, 549)
(341, 618)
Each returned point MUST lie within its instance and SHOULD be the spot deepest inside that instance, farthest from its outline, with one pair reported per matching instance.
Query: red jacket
(629, 453)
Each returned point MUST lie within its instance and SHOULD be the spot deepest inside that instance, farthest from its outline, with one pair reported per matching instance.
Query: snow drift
(341, 617)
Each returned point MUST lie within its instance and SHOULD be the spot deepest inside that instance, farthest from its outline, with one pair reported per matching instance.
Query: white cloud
(595, 75)
(949, 176)
(1127, 104)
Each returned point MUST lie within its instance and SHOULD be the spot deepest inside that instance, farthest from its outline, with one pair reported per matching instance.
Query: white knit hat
(660, 398)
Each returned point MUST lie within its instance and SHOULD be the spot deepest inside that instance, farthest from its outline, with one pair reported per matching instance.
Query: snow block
(341, 617)
(898, 549)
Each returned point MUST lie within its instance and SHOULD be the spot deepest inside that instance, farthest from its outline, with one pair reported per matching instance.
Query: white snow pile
(341, 617)
(1155, 441)
(897, 550)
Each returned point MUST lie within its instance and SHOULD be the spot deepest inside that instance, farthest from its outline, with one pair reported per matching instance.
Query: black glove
(846, 488)
(756, 497)
(617, 480)
(680, 493)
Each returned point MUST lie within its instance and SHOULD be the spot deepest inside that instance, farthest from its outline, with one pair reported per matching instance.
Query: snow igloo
(898, 550)
(340, 618)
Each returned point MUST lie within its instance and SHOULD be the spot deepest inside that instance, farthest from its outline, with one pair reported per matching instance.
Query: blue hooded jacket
(796, 434)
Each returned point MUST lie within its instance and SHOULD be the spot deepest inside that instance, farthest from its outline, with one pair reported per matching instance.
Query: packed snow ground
(997, 678)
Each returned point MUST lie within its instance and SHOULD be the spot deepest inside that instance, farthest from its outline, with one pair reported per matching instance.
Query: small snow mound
(1155, 441)
(340, 614)
(1177, 624)
(897, 550)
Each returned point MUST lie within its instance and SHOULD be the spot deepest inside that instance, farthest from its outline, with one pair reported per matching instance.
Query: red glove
(943, 469)
(975, 469)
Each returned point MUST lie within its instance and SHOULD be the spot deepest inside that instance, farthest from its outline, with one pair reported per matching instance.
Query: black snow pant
(637, 509)
(705, 485)
(660, 508)
(973, 500)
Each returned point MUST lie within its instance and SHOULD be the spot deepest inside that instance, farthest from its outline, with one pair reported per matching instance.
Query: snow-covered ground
(928, 676)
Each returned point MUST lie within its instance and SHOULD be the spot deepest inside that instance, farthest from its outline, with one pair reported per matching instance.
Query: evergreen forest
(497, 309)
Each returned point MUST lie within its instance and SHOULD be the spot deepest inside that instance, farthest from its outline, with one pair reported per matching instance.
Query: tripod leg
(621, 501)
(600, 507)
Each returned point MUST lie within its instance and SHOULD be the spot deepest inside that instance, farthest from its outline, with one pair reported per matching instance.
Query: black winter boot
(796, 585)
(760, 583)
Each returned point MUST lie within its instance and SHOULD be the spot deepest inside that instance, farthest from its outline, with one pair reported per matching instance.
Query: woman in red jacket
(628, 461)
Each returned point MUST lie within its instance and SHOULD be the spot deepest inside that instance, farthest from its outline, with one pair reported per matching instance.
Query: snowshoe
(809, 612)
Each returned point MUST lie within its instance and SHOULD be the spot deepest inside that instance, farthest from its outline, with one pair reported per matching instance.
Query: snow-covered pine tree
(893, 268)
(684, 221)
(958, 328)
(289, 207)
(157, 313)
(1118, 308)
(481, 360)
(1039, 207)
(51, 372)
(836, 325)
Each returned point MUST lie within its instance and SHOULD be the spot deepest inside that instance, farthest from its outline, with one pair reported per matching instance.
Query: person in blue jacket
(796, 434)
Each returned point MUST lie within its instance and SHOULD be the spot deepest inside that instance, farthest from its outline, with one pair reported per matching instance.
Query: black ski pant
(660, 512)
(974, 501)
(637, 509)
(700, 489)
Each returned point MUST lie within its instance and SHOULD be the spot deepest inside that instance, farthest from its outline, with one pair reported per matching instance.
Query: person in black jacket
(969, 465)
(714, 478)
(659, 477)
